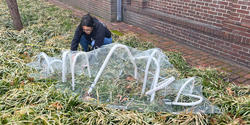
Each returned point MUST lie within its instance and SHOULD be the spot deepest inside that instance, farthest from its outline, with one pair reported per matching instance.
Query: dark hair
(87, 20)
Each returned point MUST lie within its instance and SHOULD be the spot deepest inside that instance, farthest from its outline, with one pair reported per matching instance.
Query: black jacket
(98, 34)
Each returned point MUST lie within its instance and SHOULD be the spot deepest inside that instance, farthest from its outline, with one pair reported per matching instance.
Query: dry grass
(49, 29)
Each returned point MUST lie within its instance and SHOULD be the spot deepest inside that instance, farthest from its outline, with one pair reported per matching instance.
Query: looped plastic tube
(132, 59)
(175, 102)
(48, 63)
(146, 71)
(185, 103)
(156, 76)
(64, 67)
(73, 67)
(162, 85)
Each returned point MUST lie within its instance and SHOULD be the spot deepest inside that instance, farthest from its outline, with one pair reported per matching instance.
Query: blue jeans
(85, 43)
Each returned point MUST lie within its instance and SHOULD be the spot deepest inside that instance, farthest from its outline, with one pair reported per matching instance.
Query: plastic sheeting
(124, 78)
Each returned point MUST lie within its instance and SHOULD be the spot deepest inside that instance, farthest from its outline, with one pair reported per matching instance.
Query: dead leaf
(124, 99)
(12, 83)
(130, 78)
(31, 79)
(22, 83)
(128, 87)
(57, 105)
(26, 53)
(88, 98)
(230, 92)
(120, 97)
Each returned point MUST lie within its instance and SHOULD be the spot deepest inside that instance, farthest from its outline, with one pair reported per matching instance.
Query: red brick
(244, 53)
(235, 14)
(221, 10)
(200, 3)
(207, 0)
(234, 5)
(233, 77)
(247, 82)
(212, 12)
(234, 18)
(206, 8)
(244, 3)
(241, 80)
(214, 5)
(247, 76)
(245, 34)
(243, 11)
(236, 47)
(222, 2)
(243, 73)
(236, 27)
(244, 7)
(246, 21)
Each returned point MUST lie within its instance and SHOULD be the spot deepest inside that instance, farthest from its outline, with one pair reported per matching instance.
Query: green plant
(50, 29)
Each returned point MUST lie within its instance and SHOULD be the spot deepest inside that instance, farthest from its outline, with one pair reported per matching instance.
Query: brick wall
(102, 8)
(206, 11)
(220, 27)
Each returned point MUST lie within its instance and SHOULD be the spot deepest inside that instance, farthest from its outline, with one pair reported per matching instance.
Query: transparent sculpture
(124, 78)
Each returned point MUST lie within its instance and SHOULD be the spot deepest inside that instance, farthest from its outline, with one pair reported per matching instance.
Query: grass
(50, 29)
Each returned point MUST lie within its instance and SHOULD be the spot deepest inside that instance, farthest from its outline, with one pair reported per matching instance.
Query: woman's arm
(76, 40)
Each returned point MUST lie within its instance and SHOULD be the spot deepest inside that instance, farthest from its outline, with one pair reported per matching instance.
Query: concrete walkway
(194, 57)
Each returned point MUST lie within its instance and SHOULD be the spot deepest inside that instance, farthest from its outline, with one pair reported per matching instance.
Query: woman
(90, 32)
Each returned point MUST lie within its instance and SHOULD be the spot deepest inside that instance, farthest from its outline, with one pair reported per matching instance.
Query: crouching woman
(90, 34)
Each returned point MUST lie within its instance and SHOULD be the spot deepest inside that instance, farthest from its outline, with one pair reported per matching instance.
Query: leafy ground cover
(49, 29)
